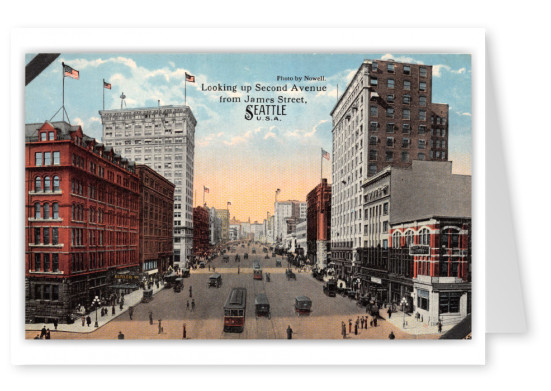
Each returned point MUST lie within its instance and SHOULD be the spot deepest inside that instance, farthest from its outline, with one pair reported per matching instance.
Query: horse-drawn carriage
(290, 275)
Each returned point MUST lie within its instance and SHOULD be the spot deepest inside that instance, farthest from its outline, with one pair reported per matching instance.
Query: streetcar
(262, 306)
(235, 309)
(257, 270)
(303, 305)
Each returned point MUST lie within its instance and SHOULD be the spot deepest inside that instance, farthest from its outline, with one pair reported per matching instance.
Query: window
(390, 98)
(422, 144)
(422, 115)
(38, 158)
(37, 208)
(406, 114)
(390, 128)
(397, 240)
(37, 184)
(55, 235)
(373, 81)
(43, 136)
(46, 211)
(372, 169)
(407, 85)
(47, 158)
(405, 142)
(390, 141)
(424, 236)
(372, 140)
(37, 263)
(423, 299)
(405, 156)
(407, 69)
(449, 302)
(46, 236)
(55, 291)
(373, 111)
(405, 128)
(389, 156)
(372, 154)
(374, 67)
(422, 86)
(406, 99)
(37, 236)
(423, 72)
(390, 112)
(57, 157)
(373, 126)
(422, 129)
(56, 183)
(422, 100)
(47, 184)
(390, 68)
(390, 83)
(46, 291)
(421, 156)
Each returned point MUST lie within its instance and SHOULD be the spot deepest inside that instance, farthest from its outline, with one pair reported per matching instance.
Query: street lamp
(403, 303)
(96, 301)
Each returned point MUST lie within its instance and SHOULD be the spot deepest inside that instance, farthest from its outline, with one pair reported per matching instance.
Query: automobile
(178, 284)
(185, 272)
(267, 256)
(201, 265)
(254, 251)
(246, 256)
(264, 250)
(262, 306)
(226, 258)
(290, 275)
(273, 255)
(215, 280)
(303, 305)
(330, 288)
(278, 262)
(147, 295)
(351, 294)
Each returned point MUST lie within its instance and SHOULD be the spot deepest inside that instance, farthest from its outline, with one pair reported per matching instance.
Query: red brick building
(156, 209)
(81, 219)
(201, 231)
(318, 226)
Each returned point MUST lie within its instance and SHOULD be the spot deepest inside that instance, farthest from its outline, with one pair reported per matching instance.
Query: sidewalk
(412, 325)
(130, 300)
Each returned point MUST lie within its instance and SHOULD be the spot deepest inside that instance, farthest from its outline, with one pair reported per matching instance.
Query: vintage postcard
(255, 196)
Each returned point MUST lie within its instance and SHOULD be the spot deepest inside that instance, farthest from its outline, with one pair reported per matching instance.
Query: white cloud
(437, 70)
(410, 60)
(466, 114)
(459, 71)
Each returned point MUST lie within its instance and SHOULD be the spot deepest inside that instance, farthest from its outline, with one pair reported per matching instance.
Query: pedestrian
(83, 320)
(391, 335)
(343, 330)
(389, 312)
(190, 295)
(121, 335)
(113, 310)
(150, 317)
(349, 326)
(187, 305)
(214, 268)
(160, 327)
(238, 270)
(48, 334)
(193, 304)
(439, 324)
(131, 312)
(88, 320)
(37, 336)
(375, 321)
(356, 329)
(209, 267)
(371, 323)
(289, 332)
(43, 332)
(120, 305)
(184, 335)
(55, 323)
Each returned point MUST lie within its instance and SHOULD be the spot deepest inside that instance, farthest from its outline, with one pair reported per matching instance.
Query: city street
(206, 321)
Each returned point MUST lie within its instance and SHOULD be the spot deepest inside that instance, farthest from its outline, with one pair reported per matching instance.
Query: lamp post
(403, 302)
(96, 301)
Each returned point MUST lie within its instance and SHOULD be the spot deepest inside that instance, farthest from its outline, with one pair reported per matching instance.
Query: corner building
(162, 138)
(385, 117)
(81, 220)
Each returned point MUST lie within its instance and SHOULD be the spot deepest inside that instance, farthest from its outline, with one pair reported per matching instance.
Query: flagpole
(204, 195)
(63, 91)
(185, 91)
(321, 170)
(103, 91)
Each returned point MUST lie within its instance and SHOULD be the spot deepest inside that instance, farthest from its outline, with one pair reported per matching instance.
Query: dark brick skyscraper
(201, 231)
(318, 229)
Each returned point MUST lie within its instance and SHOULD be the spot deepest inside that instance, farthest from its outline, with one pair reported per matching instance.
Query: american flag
(229, 203)
(70, 72)
(190, 78)
(325, 154)
(206, 189)
(106, 85)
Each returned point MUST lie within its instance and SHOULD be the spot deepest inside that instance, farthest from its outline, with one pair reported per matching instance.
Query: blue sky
(286, 151)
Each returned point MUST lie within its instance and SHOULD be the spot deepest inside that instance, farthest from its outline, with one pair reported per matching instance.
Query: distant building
(224, 216)
(319, 224)
(215, 226)
(301, 237)
(156, 208)
(81, 220)
(201, 231)
(284, 210)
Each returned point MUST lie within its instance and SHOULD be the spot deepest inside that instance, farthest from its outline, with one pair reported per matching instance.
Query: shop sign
(127, 276)
(376, 280)
(419, 249)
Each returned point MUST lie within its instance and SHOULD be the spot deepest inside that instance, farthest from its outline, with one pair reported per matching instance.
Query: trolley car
(235, 309)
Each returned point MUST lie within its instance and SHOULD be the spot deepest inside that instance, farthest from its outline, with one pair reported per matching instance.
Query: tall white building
(284, 210)
(162, 138)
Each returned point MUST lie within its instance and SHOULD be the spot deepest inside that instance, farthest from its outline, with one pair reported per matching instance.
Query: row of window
(448, 238)
(373, 81)
(43, 211)
(406, 128)
(45, 158)
(42, 235)
(46, 262)
(406, 69)
(406, 113)
(48, 185)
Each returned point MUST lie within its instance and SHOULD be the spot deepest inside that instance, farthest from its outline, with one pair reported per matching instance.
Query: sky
(241, 160)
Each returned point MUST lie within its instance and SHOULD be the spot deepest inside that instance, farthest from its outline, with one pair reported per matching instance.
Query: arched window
(409, 238)
(37, 184)
(46, 209)
(397, 239)
(47, 184)
(424, 236)
(56, 183)
(55, 210)
(37, 214)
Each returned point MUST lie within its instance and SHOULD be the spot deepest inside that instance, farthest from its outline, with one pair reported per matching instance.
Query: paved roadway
(206, 322)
